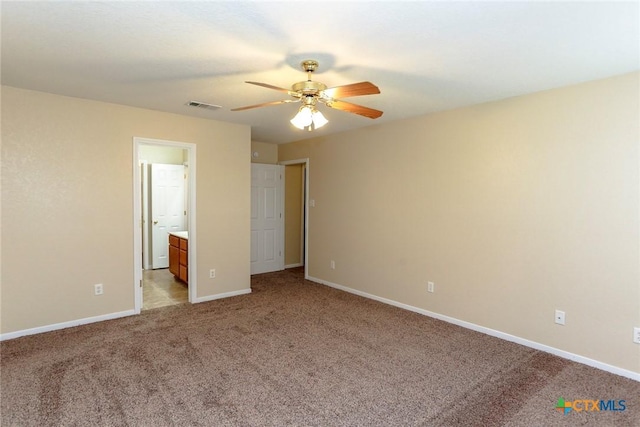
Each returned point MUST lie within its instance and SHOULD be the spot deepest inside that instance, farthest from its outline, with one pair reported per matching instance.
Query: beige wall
(267, 153)
(513, 208)
(67, 211)
(293, 215)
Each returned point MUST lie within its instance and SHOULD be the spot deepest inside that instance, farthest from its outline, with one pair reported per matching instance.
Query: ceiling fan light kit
(309, 93)
(309, 118)
(319, 119)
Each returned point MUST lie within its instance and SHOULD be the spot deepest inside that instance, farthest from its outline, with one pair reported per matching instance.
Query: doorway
(297, 214)
(164, 201)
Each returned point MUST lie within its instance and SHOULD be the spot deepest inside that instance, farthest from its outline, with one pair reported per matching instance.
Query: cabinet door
(174, 260)
(184, 270)
(183, 257)
(184, 273)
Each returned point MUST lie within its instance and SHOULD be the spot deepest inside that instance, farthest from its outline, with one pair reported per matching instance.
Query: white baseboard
(111, 316)
(298, 264)
(64, 325)
(502, 335)
(223, 295)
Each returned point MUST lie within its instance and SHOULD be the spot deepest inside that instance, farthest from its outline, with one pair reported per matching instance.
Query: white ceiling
(424, 56)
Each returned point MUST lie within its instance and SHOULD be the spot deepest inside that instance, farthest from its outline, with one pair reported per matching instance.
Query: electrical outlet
(97, 289)
(212, 274)
(636, 335)
(559, 318)
(333, 265)
(431, 287)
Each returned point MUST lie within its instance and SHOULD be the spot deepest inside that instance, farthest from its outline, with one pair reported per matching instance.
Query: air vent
(203, 105)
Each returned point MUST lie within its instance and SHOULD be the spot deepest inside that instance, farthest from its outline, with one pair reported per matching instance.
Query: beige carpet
(293, 353)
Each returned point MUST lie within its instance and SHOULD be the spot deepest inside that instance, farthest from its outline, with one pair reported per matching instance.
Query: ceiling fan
(310, 93)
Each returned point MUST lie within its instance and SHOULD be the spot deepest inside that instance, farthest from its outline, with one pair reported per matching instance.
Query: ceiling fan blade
(354, 89)
(268, 86)
(354, 108)
(265, 104)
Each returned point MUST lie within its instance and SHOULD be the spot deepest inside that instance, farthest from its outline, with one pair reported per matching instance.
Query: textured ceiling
(424, 56)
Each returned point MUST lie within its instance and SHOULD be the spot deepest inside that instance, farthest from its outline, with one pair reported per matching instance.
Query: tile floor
(161, 288)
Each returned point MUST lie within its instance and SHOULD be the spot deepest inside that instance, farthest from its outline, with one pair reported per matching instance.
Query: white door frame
(137, 216)
(145, 212)
(304, 161)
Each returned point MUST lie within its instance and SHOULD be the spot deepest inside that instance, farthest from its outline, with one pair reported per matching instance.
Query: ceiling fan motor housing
(308, 87)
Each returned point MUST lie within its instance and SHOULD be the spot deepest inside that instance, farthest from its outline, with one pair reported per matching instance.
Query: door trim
(137, 216)
(145, 211)
(304, 161)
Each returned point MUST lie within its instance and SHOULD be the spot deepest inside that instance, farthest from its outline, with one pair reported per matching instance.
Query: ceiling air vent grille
(203, 105)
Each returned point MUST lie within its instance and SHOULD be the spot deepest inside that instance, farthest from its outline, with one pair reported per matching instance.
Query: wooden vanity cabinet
(178, 257)
(174, 255)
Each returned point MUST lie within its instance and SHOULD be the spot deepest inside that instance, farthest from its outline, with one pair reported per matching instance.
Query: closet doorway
(296, 235)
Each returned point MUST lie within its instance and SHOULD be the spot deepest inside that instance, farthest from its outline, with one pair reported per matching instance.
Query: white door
(167, 209)
(267, 231)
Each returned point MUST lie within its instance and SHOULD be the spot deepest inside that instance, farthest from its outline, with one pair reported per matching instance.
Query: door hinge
(185, 212)
(140, 282)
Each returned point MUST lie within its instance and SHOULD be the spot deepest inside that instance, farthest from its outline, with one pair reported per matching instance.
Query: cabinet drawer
(184, 244)
(174, 241)
(183, 273)
(183, 258)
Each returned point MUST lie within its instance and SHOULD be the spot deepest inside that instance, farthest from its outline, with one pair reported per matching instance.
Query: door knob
(155, 222)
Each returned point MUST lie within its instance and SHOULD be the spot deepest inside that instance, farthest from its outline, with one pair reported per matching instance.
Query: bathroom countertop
(181, 234)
